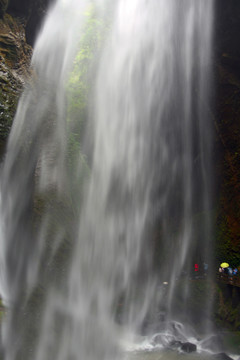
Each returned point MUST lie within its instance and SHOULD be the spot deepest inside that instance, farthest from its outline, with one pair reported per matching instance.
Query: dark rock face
(19, 24)
(33, 11)
(188, 347)
(3, 7)
(227, 124)
(15, 55)
(18, 8)
(227, 17)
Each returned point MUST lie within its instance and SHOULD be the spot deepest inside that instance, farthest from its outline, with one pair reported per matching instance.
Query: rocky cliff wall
(19, 24)
(227, 125)
(15, 55)
(33, 11)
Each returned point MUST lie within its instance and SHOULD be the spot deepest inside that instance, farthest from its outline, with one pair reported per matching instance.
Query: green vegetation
(81, 78)
(79, 89)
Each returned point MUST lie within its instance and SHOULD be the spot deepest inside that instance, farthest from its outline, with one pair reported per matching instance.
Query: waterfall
(88, 240)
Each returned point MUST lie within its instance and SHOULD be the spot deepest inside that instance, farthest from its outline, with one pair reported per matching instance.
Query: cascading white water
(149, 167)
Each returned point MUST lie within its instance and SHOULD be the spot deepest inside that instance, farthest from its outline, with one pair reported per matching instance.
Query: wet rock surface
(19, 24)
(15, 55)
(33, 11)
(188, 347)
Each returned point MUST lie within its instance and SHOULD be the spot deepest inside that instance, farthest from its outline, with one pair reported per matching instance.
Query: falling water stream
(87, 242)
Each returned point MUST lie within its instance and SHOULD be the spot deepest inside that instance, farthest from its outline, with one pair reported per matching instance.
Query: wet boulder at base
(188, 347)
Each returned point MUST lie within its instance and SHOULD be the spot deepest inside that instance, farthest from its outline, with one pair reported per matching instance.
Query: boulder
(188, 347)
(176, 344)
(163, 339)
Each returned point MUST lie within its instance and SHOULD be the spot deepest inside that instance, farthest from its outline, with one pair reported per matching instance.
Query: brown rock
(15, 55)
